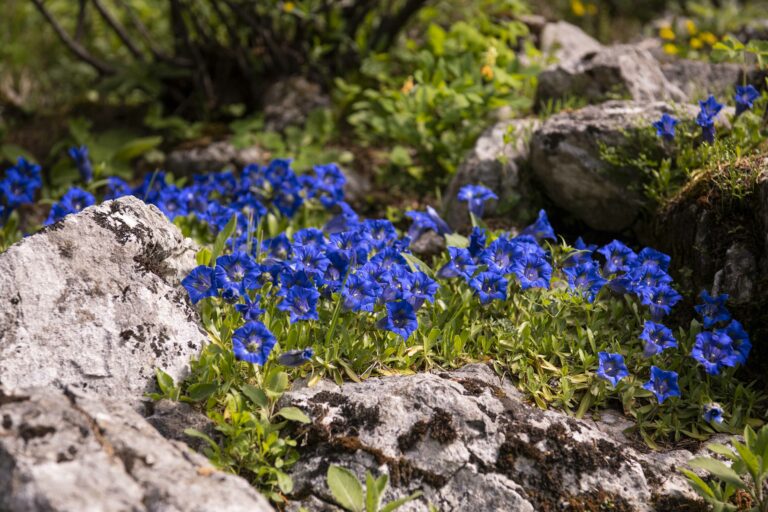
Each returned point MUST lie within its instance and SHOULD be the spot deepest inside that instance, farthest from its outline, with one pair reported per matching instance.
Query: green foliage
(348, 492)
(10, 232)
(742, 485)
(430, 97)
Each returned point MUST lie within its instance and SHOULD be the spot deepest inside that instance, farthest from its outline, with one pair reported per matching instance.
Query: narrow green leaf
(699, 485)
(294, 414)
(222, 237)
(394, 505)
(372, 493)
(201, 391)
(345, 488)
(164, 382)
(719, 470)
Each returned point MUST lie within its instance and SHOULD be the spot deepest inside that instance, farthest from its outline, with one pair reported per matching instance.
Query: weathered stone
(615, 72)
(469, 441)
(71, 451)
(288, 102)
(737, 277)
(197, 160)
(428, 244)
(698, 79)
(566, 160)
(171, 419)
(493, 163)
(94, 302)
(566, 42)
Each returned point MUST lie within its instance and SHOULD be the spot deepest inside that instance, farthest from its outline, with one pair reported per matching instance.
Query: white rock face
(566, 42)
(469, 441)
(71, 451)
(94, 302)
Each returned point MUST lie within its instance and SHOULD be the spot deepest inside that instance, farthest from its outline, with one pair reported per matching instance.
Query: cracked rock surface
(94, 302)
(64, 451)
(469, 441)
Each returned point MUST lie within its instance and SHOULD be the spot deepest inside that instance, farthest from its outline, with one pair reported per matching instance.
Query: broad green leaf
(294, 414)
(136, 148)
(345, 488)
(276, 384)
(164, 382)
(749, 458)
(699, 485)
(456, 240)
(373, 491)
(255, 395)
(719, 470)
(201, 391)
(203, 256)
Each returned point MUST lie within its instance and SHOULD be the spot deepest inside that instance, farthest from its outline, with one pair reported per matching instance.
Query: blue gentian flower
(426, 221)
(582, 253)
(500, 255)
(585, 279)
(649, 257)
(117, 187)
(745, 97)
(380, 233)
(311, 259)
(231, 269)
(388, 258)
(477, 241)
(418, 287)
(360, 293)
(330, 176)
(73, 201)
(347, 220)
(279, 171)
(712, 309)
(170, 203)
(250, 309)
(338, 266)
(352, 243)
(710, 107)
(461, 264)
(476, 196)
(82, 162)
(657, 338)
(665, 127)
(740, 338)
(200, 283)
(295, 358)
(489, 286)
(660, 300)
(301, 303)
(541, 229)
(706, 118)
(663, 384)
(611, 367)
(312, 237)
(714, 350)
(278, 248)
(713, 413)
(532, 271)
(29, 171)
(644, 278)
(290, 278)
(288, 200)
(17, 188)
(401, 319)
(618, 257)
(253, 343)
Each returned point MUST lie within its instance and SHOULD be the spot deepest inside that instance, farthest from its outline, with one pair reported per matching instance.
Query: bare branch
(80, 27)
(73, 46)
(153, 48)
(119, 30)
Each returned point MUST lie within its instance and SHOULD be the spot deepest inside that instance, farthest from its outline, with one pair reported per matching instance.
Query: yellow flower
(696, 43)
(709, 38)
(577, 7)
(407, 86)
(670, 49)
(667, 33)
(592, 9)
(487, 72)
(691, 27)
(289, 6)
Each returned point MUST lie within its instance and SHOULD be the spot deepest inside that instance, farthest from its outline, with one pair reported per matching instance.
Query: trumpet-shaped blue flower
(660, 300)
(714, 350)
(380, 233)
(17, 188)
(533, 271)
(200, 283)
(117, 187)
(426, 221)
(663, 384)
(295, 358)
(311, 237)
(278, 248)
(360, 293)
(611, 367)
(706, 118)
(476, 196)
(657, 338)
(649, 257)
(231, 270)
(712, 309)
(500, 255)
(618, 257)
(253, 343)
(301, 303)
(740, 338)
(477, 241)
(489, 286)
(82, 162)
(461, 264)
(665, 127)
(713, 413)
(745, 97)
(401, 319)
(73, 201)
(250, 309)
(418, 287)
(541, 229)
(585, 279)
(582, 253)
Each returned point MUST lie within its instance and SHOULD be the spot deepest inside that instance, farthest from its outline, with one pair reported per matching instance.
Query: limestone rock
(213, 157)
(289, 101)
(171, 419)
(94, 302)
(493, 163)
(621, 71)
(67, 451)
(469, 441)
(566, 160)
(698, 79)
(566, 42)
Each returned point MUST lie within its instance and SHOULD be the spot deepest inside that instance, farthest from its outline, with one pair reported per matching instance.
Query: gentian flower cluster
(709, 110)
(722, 347)
(18, 187)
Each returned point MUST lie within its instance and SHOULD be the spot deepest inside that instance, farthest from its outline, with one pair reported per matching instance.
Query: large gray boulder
(71, 451)
(698, 79)
(469, 441)
(94, 302)
(495, 162)
(614, 72)
(566, 42)
(566, 159)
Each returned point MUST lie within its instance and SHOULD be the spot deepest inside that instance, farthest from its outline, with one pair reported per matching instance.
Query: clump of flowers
(18, 187)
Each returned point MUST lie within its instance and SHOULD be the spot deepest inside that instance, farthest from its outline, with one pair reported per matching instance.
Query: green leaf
(276, 384)
(345, 488)
(416, 264)
(191, 432)
(719, 470)
(203, 256)
(374, 491)
(201, 391)
(699, 485)
(436, 38)
(393, 505)
(222, 237)
(749, 458)
(294, 414)
(400, 157)
(165, 382)
(255, 395)
(136, 148)
(456, 240)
